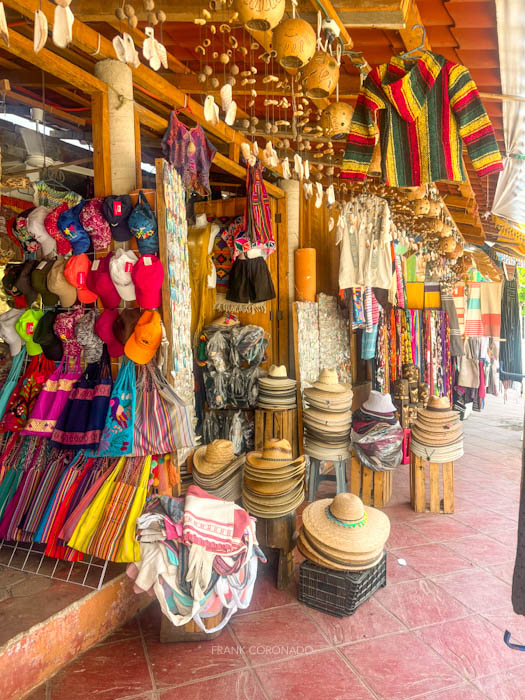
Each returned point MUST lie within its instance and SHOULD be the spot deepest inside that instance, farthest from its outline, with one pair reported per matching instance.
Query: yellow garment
(415, 295)
(200, 263)
(129, 549)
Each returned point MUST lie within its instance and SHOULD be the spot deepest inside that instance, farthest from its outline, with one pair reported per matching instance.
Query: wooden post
(298, 379)
(101, 149)
(138, 151)
(283, 294)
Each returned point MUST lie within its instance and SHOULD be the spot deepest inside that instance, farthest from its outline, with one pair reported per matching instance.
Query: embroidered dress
(425, 112)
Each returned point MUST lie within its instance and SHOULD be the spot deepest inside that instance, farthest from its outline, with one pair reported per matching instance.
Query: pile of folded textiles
(218, 470)
(198, 556)
(377, 437)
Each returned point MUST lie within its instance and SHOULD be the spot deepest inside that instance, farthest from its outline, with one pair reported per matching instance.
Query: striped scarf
(473, 324)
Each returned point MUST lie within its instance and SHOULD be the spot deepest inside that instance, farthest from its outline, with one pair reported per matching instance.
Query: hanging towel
(491, 309)
(473, 324)
(458, 295)
(432, 295)
(456, 342)
(415, 295)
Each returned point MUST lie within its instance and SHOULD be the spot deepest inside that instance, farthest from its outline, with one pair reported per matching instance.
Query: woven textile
(458, 295)
(473, 324)
(510, 350)
(491, 308)
(456, 341)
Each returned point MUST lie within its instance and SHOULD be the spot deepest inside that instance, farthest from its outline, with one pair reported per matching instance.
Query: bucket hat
(8, 330)
(58, 284)
(51, 226)
(328, 381)
(25, 327)
(379, 403)
(104, 330)
(37, 230)
(95, 224)
(116, 210)
(69, 225)
(76, 273)
(121, 265)
(101, 284)
(46, 337)
(145, 339)
(39, 282)
(147, 276)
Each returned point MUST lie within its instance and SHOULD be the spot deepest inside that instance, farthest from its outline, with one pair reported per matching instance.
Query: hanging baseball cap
(23, 281)
(25, 327)
(46, 337)
(15, 297)
(71, 228)
(120, 266)
(39, 282)
(116, 210)
(125, 323)
(58, 284)
(86, 336)
(20, 230)
(51, 225)
(104, 330)
(95, 224)
(8, 330)
(145, 339)
(35, 223)
(76, 272)
(143, 225)
(101, 284)
(147, 276)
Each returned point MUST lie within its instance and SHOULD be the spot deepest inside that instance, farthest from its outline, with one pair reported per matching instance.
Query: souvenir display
(437, 434)
(276, 390)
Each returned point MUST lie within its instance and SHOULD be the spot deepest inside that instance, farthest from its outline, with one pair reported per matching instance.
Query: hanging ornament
(261, 15)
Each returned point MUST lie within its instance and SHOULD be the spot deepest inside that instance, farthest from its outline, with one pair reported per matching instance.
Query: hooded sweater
(424, 112)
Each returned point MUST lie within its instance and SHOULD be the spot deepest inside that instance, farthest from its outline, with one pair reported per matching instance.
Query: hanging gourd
(261, 15)
(320, 76)
(447, 245)
(294, 42)
(336, 120)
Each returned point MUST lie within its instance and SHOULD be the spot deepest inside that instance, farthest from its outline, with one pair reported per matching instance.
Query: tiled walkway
(435, 631)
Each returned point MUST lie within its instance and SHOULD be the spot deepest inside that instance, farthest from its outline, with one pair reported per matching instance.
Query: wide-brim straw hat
(274, 455)
(272, 488)
(276, 510)
(316, 557)
(434, 438)
(345, 526)
(278, 475)
(327, 398)
(438, 409)
(218, 479)
(437, 453)
(212, 458)
(379, 403)
(329, 406)
(320, 417)
(270, 499)
(328, 381)
(324, 453)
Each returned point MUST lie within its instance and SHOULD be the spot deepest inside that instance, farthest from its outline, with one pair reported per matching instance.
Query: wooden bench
(431, 485)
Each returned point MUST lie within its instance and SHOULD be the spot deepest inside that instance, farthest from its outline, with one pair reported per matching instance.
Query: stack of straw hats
(273, 480)
(437, 434)
(328, 418)
(341, 534)
(277, 391)
(217, 470)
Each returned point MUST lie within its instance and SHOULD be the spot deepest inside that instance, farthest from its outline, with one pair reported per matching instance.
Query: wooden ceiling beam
(66, 117)
(29, 78)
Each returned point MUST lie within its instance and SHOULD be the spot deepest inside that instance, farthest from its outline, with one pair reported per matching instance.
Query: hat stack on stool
(277, 391)
(341, 535)
(218, 470)
(273, 483)
(328, 418)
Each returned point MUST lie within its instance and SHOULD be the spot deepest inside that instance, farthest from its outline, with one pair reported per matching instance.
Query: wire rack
(30, 558)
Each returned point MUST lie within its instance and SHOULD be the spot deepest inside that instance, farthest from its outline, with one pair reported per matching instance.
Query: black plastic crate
(339, 593)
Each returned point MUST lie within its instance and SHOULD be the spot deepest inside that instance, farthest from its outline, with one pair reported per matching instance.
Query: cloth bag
(23, 399)
(117, 436)
(12, 380)
(53, 398)
(162, 420)
(82, 421)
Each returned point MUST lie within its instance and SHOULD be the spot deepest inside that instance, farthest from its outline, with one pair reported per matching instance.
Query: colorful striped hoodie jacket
(423, 111)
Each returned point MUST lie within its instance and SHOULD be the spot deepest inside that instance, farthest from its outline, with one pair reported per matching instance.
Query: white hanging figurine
(41, 29)
(63, 24)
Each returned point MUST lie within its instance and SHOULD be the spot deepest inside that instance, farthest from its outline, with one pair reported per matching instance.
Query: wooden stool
(279, 533)
(282, 424)
(190, 632)
(418, 485)
(373, 488)
(315, 477)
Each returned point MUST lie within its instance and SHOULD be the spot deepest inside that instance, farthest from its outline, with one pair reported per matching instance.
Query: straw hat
(342, 532)
(272, 488)
(328, 381)
(379, 403)
(438, 408)
(314, 556)
(275, 453)
(212, 458)
(323, 453)
(321, 418)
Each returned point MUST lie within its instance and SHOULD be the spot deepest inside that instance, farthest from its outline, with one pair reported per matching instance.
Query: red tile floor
(435, 631)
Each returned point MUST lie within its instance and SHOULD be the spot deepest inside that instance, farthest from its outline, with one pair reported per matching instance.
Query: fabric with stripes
(473, 324)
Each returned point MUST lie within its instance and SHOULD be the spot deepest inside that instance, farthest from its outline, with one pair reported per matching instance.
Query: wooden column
(138, 151)
(101, 149)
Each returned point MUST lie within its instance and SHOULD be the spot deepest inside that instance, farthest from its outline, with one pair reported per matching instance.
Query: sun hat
(214, 457)
(145, 339)
(329, 399)
(120, 266)
(438, 407)
(8, 330)
(25, 327)
(327, 418)
(39, 282)
(277, 378)
(147, 276)
(58, 284)
(23, 281)
(270, 487)
(46, 337)
(116, 210)
(86, 336)
(100, 283)
(324, 453)
(69, 225)
(76, 273)
(104, 330)
(275, 453)
(51, 226)
(36, 228)
(379, 403)
(328, 381)
(95, 224)
(143, 225)
(124, 324)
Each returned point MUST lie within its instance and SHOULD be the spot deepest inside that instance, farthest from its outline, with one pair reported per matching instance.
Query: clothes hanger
(411, 54)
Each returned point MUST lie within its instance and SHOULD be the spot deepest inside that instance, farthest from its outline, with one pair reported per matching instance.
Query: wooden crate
(373, 488)
(431, 485)
(279, 533)
(280, 424)
(190, 632)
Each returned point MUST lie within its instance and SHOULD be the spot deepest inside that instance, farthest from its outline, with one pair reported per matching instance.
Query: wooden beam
(101, 145)
(73, 96)
(176, 11)
(326, 8)
(29, 78)
(65, 117)
(138, 150)
(459, 202)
